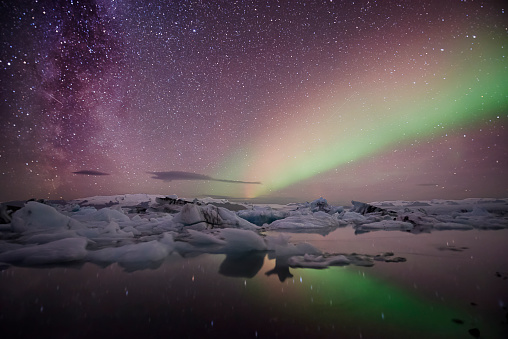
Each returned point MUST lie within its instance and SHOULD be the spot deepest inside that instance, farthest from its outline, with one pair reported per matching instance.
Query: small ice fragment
(300, 279)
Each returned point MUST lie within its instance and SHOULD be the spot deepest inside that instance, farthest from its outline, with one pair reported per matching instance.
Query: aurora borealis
(360, 100)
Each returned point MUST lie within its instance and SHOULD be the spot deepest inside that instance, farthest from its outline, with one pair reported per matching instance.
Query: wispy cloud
(181, 175)
(90, 172)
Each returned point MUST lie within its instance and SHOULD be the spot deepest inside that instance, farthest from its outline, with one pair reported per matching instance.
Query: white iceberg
(317, 219)
(56, 252)
(387, 225)
(104, 214)
(36, 216)
(208, 217)
(240, 240)
(113, 230)
(260, 215)
(318, 261)
(152, 251)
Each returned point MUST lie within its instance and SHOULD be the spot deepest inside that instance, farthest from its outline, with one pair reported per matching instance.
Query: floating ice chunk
(322, 205)
(363, 208)
(152, 251)
(199, 238)
(82, 212)
(107, 214)
(479, 212)
(42, 238)
(318, 261)
(131, 229)
(353, 217)
(452, 226)
(160, 225)
(295, 249)
(388, 225)
(208, 217)
(36, 216)
(418, 204)
(59, 251)
(121, 200)
(319, 205)
(136, 218)
(242, 240)
(262, 215)
(189, 215)
(230, 219)
(113, 230)
(318, 219)
(8, 246)
(274, 242)
(281, 247)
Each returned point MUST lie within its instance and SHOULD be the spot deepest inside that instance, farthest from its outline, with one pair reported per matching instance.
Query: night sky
(271, 101)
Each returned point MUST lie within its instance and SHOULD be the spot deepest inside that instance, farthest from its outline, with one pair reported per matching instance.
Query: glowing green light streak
(477, 94)
(345, 296)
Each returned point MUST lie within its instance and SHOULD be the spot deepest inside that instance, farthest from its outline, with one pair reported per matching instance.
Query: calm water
(453, 281)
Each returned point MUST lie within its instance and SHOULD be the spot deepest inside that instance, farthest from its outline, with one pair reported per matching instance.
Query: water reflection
(437, 293)
(242, 265)
(281, 268)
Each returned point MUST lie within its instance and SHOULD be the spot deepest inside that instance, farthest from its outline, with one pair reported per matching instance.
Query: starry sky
(262, 101)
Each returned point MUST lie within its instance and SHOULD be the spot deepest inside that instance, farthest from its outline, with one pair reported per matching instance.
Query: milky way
(360, 100)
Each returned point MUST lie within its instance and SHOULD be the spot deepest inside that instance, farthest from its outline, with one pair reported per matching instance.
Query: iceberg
(55, 252)
(387, 225)
(318, 261)
(260, 215)
(319, 219)
(209, 217)
(239, 240)
(36, 216)
(151, 251)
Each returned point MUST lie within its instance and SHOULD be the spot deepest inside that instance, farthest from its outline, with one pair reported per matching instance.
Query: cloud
(180, 175)
(90, 172)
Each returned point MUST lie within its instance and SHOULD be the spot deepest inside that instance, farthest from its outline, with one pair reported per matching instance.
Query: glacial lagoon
(453, 284)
